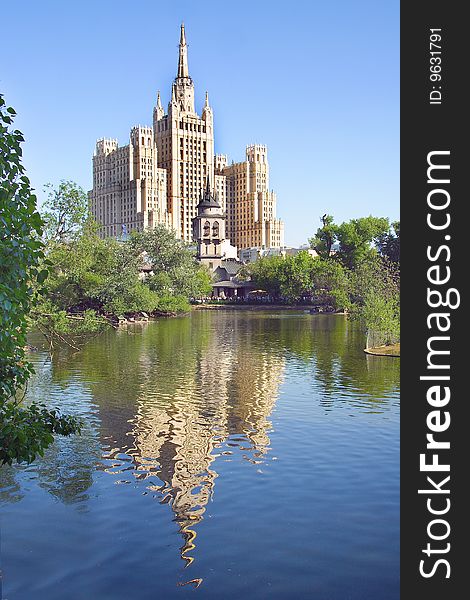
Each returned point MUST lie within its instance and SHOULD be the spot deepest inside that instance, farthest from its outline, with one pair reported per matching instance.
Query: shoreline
(301, 307)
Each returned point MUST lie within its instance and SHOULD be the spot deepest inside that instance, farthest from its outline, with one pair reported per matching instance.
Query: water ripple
(205, 436)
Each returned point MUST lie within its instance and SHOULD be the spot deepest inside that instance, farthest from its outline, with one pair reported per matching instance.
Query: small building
(227, 282)
(209, 232)
(250, 255)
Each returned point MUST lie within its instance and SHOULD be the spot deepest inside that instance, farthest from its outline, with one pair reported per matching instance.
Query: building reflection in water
(170, 399)
(222, 394)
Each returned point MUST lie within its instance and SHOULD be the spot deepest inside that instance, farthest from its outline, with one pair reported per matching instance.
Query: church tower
(185, 143)
(209, 230)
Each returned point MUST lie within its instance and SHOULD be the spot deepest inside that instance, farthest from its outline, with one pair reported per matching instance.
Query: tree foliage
(357, 269)
(302, 277)
(65, 211)
(356, 238)
(266, 273)
(350, 242)
(175, 269)
(388, 243)
(325, 237)
(94, 281)
(330, 283)
(376, 294)
(25, 431)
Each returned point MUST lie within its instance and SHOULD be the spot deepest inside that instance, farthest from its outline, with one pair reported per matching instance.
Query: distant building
(294, 251)
(160, 175)
(249, 255)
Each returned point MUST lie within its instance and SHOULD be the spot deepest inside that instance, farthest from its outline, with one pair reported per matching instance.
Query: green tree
(93, 281)
(267, 273)
(356, 239)
(176, 271)
(90, 278)
(299, 277)
(25, 431)
(330, 283)
(65, 211)
(325, 237)
(388, 243)
(295, 276)
(376, 298)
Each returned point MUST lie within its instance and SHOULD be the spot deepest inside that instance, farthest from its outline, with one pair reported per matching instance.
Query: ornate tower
(185, 143)
(209, 230)
(183, 85)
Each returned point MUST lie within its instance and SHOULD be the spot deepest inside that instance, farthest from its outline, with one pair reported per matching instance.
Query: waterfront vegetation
(93, 283)
(25, 431)
(356, 270)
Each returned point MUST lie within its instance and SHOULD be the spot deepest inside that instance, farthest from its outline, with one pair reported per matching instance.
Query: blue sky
(318, 82)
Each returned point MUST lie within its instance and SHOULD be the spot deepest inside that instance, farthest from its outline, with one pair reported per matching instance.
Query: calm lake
(225, 454)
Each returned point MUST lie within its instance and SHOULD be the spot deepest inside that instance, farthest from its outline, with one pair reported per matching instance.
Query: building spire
(206, 105)
(183, 56)
(159, 102)
(208, 200)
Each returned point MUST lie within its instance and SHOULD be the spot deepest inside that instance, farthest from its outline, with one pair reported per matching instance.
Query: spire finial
(159, 101)
(183, 55)
(206, 105)
(208, 200)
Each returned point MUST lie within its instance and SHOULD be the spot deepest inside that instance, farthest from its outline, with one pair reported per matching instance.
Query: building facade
(129, 189)
(250, 206)
(160, 175)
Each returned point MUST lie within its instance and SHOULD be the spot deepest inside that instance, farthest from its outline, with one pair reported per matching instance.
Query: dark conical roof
(208, 200)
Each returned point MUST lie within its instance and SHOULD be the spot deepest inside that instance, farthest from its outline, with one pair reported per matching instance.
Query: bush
(173, 304)
(376, 293)
(138, 298)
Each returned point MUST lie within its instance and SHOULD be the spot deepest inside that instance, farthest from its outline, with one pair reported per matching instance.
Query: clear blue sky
(316, 81)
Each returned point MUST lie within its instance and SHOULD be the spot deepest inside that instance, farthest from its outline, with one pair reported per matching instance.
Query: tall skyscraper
(185, 143)
(160, 176)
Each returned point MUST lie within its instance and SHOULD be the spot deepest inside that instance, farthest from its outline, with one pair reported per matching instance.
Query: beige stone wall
(185, 145)
(129, 190)
(250, 206)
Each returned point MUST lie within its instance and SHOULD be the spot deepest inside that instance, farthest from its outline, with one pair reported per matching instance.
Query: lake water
(225, 454)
